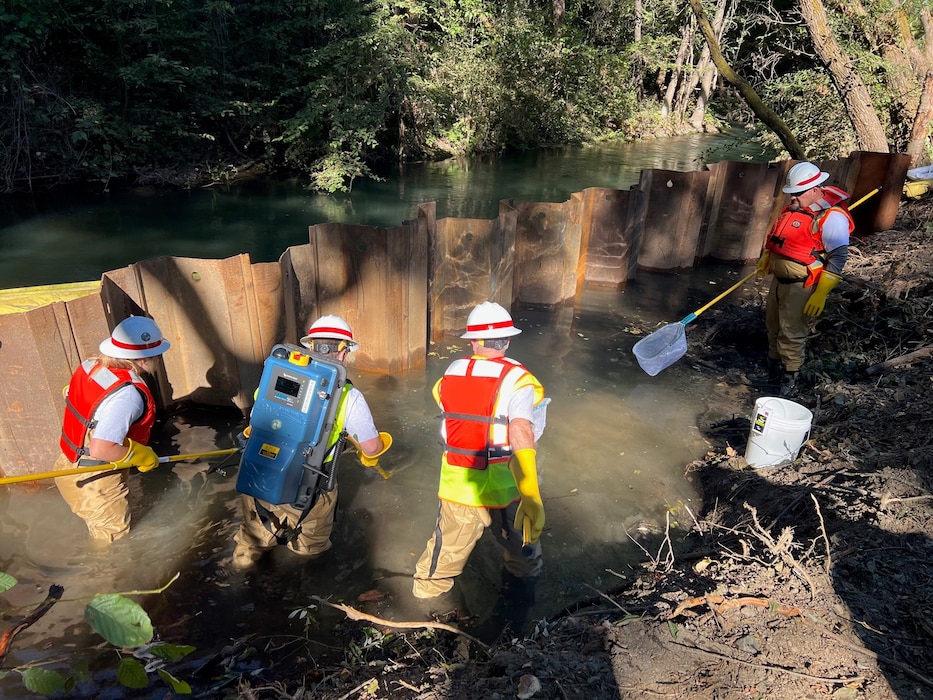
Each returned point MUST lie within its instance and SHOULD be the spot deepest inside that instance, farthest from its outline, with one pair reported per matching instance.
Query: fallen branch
(55, 594)
(356, 615)
(886, 499)
(722, 605)
(918, 354)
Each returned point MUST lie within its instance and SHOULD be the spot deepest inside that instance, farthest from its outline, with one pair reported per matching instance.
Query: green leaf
(132, 674)
(180, 687)
(119, 620)
(6, 582)
(170, 652)
(43, 681)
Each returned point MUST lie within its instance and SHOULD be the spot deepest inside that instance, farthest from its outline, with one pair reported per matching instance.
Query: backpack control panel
(291, 421)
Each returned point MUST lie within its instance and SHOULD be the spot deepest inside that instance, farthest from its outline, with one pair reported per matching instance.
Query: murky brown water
(612, 460)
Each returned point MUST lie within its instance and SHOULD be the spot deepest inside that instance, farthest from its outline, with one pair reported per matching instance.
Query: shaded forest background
(188, 92)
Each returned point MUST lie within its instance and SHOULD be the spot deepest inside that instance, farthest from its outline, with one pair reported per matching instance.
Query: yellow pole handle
(111, 466)
(527, 548)
(873, 192)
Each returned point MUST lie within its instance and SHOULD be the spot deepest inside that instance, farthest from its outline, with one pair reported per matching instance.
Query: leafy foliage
(174, 91)
(125, 625)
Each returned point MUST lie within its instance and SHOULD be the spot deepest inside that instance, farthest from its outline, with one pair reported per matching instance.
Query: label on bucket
(761, 420)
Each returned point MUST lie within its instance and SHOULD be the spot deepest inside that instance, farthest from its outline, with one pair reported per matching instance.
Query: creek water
(612, 457)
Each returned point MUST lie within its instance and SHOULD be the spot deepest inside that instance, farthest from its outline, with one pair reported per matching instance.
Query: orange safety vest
(90, 385)
(474, 468)
(798, 235)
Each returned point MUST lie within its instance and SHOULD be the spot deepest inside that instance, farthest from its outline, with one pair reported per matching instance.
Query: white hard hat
(330, 328)
(803, 177)
(135, 338)
(489, 320)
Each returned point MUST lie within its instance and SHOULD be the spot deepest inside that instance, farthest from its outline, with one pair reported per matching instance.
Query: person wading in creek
(307, 533)
(493, 411)
(109, 414)
(806, 251)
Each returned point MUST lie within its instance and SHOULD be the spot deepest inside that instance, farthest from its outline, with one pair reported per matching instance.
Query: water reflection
(612, 459)
(75, 238)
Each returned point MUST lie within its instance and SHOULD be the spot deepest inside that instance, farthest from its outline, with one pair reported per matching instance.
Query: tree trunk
(639, 12)
(868, 129)
(767, 115)
(689, 75)
(922, 58)
(707, 69)
(676, 75)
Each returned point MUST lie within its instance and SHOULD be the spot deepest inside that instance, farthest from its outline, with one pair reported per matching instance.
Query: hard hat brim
(486, 335)
(110, 350)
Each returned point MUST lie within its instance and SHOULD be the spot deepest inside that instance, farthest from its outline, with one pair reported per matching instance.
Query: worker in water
(307, 532)
(109, 414)
(492, 412)
(806, 251)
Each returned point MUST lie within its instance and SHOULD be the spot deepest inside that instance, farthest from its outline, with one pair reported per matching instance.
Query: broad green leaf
(180, 687)
(132, 674)
(119, 620)
(6, 582)
(170, 652)
(43, 681)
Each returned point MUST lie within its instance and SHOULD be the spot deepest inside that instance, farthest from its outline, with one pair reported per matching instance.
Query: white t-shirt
(117, 413)
(835, 231)
(359, 425)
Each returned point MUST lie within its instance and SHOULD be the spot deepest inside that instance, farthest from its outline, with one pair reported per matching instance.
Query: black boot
(775, 371)
(789, 385)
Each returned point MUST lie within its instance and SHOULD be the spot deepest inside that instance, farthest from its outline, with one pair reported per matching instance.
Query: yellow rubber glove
(139, 456)
(373, 460)
(817, 300)
(525, 470)
(764, 264)
(243, 438)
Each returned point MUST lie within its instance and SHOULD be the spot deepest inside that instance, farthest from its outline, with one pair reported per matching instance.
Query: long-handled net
(662, 348)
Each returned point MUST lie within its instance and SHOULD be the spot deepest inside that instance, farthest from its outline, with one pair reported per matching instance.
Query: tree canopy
(180, 92)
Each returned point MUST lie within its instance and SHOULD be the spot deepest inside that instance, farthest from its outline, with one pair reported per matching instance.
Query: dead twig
(356, 615)
(781, 546)
(886, 500)
(6, 639)
(720, 605)
(918, 354)
(828, 564)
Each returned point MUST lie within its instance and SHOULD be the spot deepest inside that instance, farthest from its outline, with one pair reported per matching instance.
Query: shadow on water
(611, 458)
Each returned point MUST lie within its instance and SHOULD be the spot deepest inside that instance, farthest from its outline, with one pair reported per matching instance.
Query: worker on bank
(265, 525)
(806, 251)
(489, 478)
(109, 414)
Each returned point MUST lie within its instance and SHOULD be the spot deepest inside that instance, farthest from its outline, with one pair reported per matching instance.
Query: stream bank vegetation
(186, 93)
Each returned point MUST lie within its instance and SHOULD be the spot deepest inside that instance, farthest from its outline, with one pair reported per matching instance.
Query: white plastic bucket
(779, 429)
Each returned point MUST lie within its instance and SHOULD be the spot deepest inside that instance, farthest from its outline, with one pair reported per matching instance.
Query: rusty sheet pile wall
(399, 288)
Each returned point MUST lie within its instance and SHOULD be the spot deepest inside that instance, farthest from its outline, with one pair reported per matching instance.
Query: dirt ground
(808, 580)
